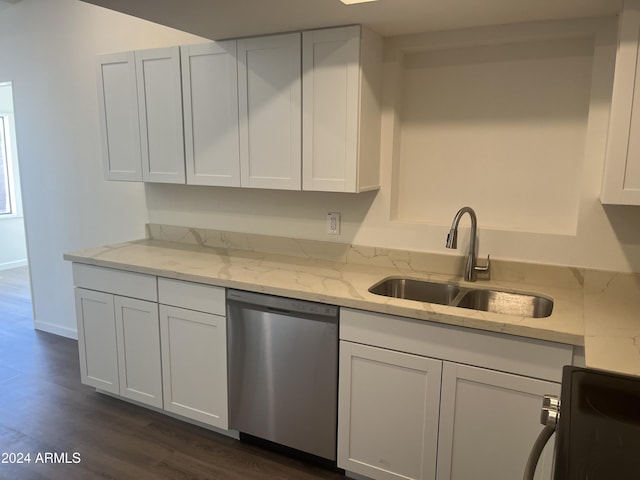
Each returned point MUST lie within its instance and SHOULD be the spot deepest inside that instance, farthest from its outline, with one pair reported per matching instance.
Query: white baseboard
(355, 476)
(14, 264)
(227, 433)
(56, 329)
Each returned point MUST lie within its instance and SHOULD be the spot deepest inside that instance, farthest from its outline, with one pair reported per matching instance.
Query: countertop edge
(483, 321)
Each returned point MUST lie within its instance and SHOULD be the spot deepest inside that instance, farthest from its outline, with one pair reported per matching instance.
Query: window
(6, 205)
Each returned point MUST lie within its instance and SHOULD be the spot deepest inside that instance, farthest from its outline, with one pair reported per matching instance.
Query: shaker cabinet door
(331, 102)
(119, 126)
(269, 87)
(138, 333)
(621, 183)
(388, 413)
(341, 105)
(210, 104)
(160, 114)
(194, 364)
(97, 340)
(489, 423)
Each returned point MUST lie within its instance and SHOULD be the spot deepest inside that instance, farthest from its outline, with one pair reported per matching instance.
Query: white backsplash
(405, 262)
(610, 300)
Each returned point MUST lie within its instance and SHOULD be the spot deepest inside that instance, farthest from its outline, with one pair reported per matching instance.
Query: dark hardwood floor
(72, 432)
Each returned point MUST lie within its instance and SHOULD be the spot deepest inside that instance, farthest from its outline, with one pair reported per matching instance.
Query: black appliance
(597, 427)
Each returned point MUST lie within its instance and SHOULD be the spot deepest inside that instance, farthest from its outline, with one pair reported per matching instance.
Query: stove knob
(550, 410)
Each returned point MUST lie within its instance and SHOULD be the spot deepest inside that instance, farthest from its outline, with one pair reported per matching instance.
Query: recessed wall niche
(500, 127)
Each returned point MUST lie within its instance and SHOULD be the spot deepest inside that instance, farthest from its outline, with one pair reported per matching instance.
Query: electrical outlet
(333, 223)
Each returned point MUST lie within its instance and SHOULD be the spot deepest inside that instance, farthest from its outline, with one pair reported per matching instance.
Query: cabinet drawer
(496, 351)
(119, 282)
(194, 296)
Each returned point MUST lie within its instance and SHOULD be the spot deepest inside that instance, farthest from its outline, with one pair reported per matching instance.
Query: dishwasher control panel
(282, 304)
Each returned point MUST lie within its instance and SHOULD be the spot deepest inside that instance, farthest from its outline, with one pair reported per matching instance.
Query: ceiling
(7, 3)
(218, 19)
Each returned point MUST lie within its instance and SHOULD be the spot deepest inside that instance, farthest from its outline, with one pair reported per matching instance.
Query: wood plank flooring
(45, 411)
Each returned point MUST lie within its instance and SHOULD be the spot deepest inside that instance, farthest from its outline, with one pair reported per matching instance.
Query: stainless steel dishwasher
(283, 371)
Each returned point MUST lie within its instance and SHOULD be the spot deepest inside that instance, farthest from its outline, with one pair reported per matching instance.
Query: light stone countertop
(339, 274)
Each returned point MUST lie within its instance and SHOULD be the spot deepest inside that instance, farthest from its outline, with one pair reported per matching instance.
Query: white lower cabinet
(416, 400)
(488, 424)
(408, 410)
(388, 413)
(156, 341)
(119, 345)
(95, 313)
(119, 332)
(138, 340)
(194, 364)
(404, 416)
(193, 332)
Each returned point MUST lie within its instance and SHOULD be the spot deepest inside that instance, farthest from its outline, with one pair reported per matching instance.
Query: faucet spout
(471, 267)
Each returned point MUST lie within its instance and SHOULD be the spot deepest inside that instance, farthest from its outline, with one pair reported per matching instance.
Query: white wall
(13, 244)
(511, 120)
(499, 127)
(48, 50)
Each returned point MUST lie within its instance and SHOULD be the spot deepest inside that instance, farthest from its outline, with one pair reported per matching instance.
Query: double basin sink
(487, 300)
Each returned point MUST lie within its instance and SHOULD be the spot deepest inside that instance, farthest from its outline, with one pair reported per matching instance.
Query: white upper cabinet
(621, 184)
(160, 115)
(118, 105)
(269, 88)
(232, 113)
(210, 103)
(342, 83)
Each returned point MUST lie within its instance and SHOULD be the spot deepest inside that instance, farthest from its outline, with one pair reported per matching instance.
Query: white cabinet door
(269, 88)
(119, 127)
(210, 103)
(388, 413)
(138, 341)
(489, 422)
(194, 364)
(342, 75)
(97, 340)
(160, 114)
(621, 184)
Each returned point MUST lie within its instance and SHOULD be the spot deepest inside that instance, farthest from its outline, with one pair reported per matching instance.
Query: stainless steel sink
(520, 304)
(496, 301)
(422, 291)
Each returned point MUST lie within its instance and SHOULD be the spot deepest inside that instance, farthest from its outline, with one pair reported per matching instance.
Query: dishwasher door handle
(279, 310)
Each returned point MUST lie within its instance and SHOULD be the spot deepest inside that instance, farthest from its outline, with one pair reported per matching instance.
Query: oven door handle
(548, 418)
(536, 451)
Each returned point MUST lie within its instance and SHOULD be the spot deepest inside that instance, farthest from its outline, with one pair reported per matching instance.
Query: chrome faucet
(471, 268)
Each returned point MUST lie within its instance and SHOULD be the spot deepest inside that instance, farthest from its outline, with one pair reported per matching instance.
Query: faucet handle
(485, 268)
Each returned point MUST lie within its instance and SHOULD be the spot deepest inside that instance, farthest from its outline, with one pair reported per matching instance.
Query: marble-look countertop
(341, 275)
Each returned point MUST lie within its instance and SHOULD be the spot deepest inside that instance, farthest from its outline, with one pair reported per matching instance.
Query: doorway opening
(15, 291)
